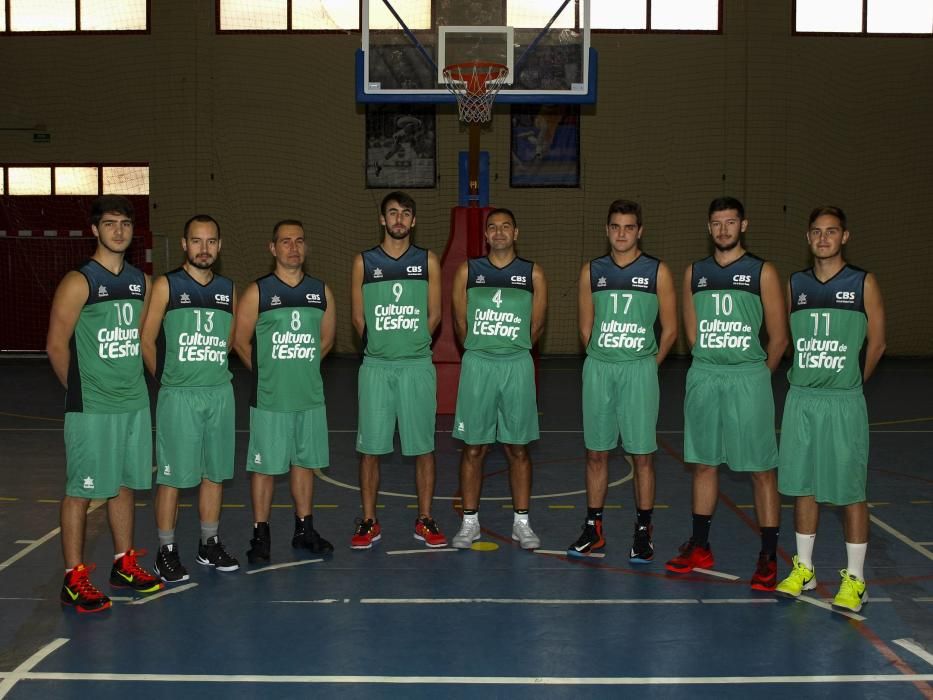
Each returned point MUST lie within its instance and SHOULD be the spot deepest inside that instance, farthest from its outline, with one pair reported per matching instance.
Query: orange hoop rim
(474, 82)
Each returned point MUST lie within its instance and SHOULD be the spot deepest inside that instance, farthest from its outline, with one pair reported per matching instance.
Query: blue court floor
(403, 621)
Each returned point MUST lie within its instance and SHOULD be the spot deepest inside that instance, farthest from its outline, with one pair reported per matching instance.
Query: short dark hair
(624, 206)
(724, 203)
(111, 202)
(828, 210)
(285, 222)
(405, 200)
(501, 210)
(201, 219)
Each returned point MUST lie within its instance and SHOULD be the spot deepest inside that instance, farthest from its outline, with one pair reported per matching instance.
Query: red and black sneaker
(367, 532)
(79, 592)
(692, 556)
(590, 540)
(428, 532)
(765, 576)
(126, 573)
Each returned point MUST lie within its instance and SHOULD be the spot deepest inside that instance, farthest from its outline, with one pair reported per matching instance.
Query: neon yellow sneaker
(802, 578)
(852, 593)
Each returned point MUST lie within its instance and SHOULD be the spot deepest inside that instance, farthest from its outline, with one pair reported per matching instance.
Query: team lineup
(109, 322)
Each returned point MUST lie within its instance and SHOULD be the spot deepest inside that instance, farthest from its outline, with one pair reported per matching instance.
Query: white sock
(855, 555)
(471, 518)
(521, 516)
(805, 548)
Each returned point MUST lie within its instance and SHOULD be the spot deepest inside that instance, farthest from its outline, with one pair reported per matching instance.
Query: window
(910, 17)
(656, 15)
(74, 16)
(127, 179)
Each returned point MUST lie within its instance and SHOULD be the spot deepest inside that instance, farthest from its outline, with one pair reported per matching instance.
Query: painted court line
(914, 648)
(163, 593)
(902, 537)
(527, 601)
(321, 601)
(736, 601)
(467, 680)
(42, 540)
(423, 550)
(828, 606)
(11, 679)
(564, 553)
(719, 574)
(287, 565)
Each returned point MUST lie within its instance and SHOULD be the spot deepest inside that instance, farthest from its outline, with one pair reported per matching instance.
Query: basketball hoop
(475, 84)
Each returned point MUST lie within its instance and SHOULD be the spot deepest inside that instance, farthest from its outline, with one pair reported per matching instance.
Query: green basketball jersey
(727, 302)
(499, 305)
(625, 309)
(193, 342)
(828, 325)
(105, 374)
(286, 345)
(395, 304)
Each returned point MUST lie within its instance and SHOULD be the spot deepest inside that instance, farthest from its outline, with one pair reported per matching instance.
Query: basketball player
(729, 406)
(285, 326)
(396, 299)
(499, 302)
(834, 308)
(622, 296)
(93, 346)
(187, 335)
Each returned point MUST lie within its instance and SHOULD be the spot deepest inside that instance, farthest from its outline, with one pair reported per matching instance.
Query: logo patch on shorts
(257, 459)
(460, 427)
(88, 482)
(167, 470)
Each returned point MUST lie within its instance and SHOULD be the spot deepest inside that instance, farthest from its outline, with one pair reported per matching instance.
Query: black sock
(643, 517)
(701, 525)
(769, 540)
(594, 514)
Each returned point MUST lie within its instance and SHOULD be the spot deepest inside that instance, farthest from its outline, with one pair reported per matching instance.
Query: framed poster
(545, 146)
(400, 146)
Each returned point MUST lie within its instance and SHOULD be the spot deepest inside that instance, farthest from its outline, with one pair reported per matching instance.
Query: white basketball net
(475, 85)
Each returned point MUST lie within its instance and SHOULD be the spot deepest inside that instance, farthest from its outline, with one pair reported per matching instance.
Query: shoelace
(363, 527)
(129, 565)
(82, 584)
(429, 525)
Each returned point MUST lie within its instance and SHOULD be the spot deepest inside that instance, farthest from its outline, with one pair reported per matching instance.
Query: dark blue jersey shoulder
(379, 266)
(516, 275)
(103, 285)
(186, 292)
(640, 274)
(743, 274)
(275, 294)
(846, 290)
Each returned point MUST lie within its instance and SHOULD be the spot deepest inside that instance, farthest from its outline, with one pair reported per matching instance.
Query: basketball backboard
(544, 43)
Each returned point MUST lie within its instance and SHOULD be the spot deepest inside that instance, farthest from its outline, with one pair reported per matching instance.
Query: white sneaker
(524, 535)
(467, 534)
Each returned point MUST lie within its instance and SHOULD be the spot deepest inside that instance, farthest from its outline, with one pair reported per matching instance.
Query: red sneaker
(692, 556)
(78, 591)
(765, 576)
(367, 532)
(126, 573)
(428, 532)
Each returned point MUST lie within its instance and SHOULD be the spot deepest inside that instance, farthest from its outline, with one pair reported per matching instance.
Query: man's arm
(667, 312)
(875, 333)
(246, 317)
(152, 322)
(233, 311)
(69, 299)
(775, 313)
(539, 305)
(690, 314)
(328, 324)
(356, 296)
(434, 292)
(585, 311)
(458, 299)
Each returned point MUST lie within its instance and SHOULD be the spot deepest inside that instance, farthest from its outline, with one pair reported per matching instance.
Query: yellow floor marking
(484, 546)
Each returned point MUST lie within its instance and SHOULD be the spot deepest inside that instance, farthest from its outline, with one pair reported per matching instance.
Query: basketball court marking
(423, 550)
(565, 553)
(914, 648)
(163, 593)
(916, 546)
(828, 606)
(718, 574)
(42, 540)
(287, 565)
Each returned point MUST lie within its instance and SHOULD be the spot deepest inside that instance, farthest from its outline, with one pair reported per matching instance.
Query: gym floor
(403, 621)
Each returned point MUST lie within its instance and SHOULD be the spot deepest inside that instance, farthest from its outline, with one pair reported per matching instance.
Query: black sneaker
(212, 553)
(260, 545)
(642, 551)
(307, 537)
(168, 566)
(590, 539)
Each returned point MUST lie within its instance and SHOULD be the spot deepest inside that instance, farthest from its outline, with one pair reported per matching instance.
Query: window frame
(863, 33)
(6, 8)
(5, 176)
